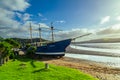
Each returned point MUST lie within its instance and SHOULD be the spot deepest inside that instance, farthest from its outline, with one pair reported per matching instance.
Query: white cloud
(40, 15)
(110, 30)
(6, 19)
(24, 30)
(9, 9)
(61, 21)
(34, 25)
(105, 19)
(43, 18)
(18, 15)
(72, 33)
(26, 16)
(43, 25)
(15, 5)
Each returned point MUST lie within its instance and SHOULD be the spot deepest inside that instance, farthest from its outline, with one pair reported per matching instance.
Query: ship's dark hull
(53, 48)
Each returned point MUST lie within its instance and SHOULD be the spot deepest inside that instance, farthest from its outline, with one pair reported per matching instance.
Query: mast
(40, 34)
(31, 33)
(52, 32)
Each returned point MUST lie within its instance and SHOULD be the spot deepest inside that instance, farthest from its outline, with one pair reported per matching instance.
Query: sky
(74, 17)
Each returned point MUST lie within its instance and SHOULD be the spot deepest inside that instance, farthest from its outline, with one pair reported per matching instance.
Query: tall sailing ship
(53, 48)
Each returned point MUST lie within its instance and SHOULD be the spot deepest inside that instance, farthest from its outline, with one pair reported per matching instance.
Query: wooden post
(46, 65)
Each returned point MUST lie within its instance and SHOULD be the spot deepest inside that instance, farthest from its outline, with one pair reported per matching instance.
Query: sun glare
(116, 27)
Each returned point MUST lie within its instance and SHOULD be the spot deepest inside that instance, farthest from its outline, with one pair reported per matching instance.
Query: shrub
(31, 51)
(6, 49)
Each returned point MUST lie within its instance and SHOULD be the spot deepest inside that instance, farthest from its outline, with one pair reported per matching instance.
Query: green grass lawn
(28, 69)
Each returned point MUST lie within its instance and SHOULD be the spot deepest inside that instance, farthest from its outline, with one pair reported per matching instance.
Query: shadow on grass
(23, 58)
(26, 59)
(41, 70)
(32, 64)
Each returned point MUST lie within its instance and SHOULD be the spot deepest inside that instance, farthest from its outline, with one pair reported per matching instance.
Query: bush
(27, 46)
(6, 49)
(31, 51)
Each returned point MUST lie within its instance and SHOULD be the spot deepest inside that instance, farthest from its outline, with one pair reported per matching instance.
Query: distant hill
(28, 40)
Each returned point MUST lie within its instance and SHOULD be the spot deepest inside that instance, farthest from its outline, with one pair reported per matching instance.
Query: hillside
(22, 40)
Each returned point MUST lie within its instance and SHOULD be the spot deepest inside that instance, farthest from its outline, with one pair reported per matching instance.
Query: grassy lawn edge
(24, 68)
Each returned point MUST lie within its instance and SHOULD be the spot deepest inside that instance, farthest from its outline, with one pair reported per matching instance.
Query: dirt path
(98, 70)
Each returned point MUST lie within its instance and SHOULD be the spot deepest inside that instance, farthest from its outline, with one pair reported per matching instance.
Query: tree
(7, 47)
(5, 51)
(2, 49)
(14, 43)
